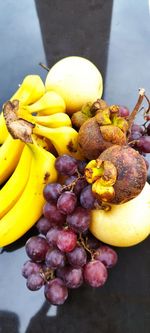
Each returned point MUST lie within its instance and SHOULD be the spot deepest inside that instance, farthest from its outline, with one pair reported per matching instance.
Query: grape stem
(135, 110)
(71, 186)
(133, 142)
(84, 244)
(48, 274)
(144, 124)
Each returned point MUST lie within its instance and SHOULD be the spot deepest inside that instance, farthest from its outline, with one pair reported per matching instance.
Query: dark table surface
(115, 35)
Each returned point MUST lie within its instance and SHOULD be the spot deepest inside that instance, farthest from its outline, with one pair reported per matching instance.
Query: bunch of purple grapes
(65, 255)
(140, 138)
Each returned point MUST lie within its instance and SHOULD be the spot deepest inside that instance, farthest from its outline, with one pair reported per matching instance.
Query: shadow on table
(95, 311)
(41, 322)
(9, 322)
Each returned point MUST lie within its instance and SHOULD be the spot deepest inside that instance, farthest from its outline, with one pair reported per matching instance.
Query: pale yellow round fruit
(77, 80)
(124, 225)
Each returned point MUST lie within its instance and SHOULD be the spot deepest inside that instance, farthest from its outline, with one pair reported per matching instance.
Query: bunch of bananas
(26, 162)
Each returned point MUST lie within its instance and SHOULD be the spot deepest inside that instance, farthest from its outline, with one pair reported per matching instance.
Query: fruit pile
(77, 166)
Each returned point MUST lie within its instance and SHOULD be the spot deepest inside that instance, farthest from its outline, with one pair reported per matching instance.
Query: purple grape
(56, 292)
(95, 273)
(137, 128)
(73, 277)
(43, 225)
(67, 202)
(80, 185)
(60, 272)
(77, 183)
(30, 267)
(66, 165)
(77, 257)
(86, 198)
(135, 136)
(51, 236)
(66, 240)
(55, 258)
(123, 111)
(35, 281)
(70, 180)
(79, 220)
(52, 213)
(36, 248)
(144, 144)
(52, 192)
(106, 255)
(81, 166)
(92, 242)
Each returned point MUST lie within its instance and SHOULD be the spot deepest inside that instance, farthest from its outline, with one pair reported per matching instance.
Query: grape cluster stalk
(64, 254)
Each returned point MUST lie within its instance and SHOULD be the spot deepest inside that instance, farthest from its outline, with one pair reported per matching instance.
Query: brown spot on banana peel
(46, 177)
(19, 128)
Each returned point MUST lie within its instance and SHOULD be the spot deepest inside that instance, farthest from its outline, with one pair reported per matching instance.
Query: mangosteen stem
(135, 110)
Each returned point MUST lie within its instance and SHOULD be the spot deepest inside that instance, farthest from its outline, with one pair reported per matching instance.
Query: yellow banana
(42, 142)
(63, 138)
(9, 156)
(48, 104)
(53, 121)
(3, 129)
(11, 191)
(28, 209)
(31, 89)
